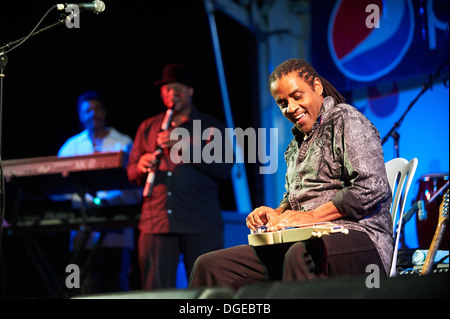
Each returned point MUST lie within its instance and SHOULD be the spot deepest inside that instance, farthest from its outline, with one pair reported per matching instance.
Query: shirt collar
(327, 105)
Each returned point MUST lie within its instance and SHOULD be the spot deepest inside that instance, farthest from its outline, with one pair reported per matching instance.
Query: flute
(148, 188)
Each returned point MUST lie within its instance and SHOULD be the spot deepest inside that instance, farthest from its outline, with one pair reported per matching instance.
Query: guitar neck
(429, 261)
(440, 229)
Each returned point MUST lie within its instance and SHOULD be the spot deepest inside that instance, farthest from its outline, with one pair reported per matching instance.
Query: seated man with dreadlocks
(335, 173)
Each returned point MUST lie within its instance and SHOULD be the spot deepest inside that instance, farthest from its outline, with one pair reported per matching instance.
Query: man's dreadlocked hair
(308, 74)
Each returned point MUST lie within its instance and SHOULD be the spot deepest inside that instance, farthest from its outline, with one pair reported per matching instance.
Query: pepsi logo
(366, 54)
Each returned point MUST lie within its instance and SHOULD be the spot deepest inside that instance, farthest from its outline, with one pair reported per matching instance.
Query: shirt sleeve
(363, 170)
(137, 149)
(290, 159)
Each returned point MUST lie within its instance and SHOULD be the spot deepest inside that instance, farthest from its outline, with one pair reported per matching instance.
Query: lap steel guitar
(261, 236)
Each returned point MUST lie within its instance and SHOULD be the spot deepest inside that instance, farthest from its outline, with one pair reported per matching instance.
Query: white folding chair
(400, 174)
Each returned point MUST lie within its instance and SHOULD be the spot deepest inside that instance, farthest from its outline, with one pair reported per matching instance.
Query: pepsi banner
(360, 43)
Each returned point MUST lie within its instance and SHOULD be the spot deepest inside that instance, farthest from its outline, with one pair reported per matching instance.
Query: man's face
(298, 101)
(177, 96)
(92, 115)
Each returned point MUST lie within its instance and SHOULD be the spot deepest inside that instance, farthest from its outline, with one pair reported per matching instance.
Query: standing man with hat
(182, 213)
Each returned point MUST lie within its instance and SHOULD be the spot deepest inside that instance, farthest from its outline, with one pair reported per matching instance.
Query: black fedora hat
(176, 72)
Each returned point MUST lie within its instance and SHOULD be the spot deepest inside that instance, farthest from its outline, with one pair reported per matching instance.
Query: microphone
(96, 6)
(418, 207)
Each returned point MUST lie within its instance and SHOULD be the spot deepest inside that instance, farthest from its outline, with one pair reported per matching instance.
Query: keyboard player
(110, 268)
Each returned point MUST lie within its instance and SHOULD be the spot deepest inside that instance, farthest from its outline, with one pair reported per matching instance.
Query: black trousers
(159, 255)
(329, 256)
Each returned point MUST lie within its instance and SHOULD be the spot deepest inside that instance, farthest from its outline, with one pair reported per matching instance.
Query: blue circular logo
(363, 52)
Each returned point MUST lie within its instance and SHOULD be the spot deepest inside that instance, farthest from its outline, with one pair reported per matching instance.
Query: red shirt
(185, 196)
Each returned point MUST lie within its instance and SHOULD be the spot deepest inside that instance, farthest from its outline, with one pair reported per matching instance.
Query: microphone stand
(393, 131)
(11, 44)
(5, 48)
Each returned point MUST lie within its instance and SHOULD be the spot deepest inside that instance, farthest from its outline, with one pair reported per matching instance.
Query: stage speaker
(433, 286)
(193, 293)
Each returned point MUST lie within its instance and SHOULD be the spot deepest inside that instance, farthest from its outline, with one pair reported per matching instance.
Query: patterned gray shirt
(341, 161)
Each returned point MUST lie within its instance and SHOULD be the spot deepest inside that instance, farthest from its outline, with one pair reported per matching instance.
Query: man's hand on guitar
(261, 216)
(290, 218)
